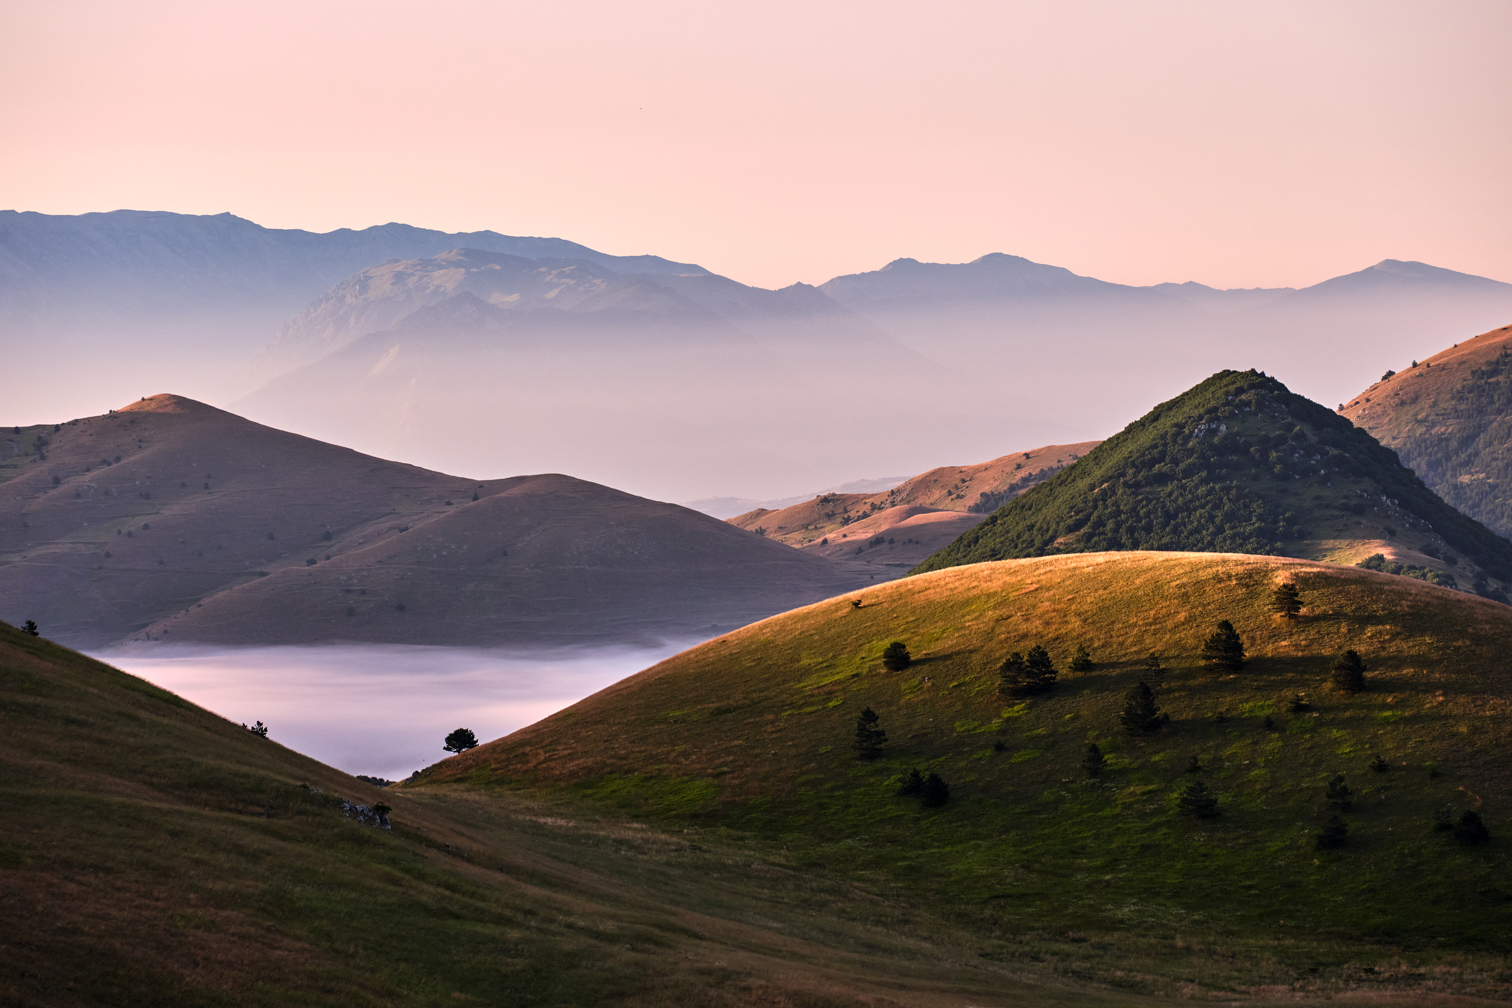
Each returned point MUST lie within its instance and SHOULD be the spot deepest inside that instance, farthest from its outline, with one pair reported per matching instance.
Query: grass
(746, 737)
(153, 853)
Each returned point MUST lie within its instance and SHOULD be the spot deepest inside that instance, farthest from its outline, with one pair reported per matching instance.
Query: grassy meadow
(746, 738)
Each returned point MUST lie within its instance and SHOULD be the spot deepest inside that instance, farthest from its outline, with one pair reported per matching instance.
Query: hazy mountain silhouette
(173, 520)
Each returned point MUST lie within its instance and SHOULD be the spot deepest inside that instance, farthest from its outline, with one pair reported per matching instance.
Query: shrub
(1470, 829)
(1224, 650)
(935, 791)
(30, 627)
(869, 735)
(1093, 761)
(895, 657)
(1335, 834)
(1140, 716)
(1348, 672)
(1081, 660)
(259, 729)
(912, 784)
(1195, 801)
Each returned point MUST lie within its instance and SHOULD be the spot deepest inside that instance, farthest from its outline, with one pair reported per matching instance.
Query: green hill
(751, 733)
(152, 853)
(1240, 464)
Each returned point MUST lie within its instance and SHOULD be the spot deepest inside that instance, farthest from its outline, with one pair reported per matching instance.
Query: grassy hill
(1449, 418)
(914, 519)
(1240, 464)
(750, 733)
(152, 853)
(170, 519)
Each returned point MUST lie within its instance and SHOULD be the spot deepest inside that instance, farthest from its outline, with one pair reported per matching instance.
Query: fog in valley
(383, 710)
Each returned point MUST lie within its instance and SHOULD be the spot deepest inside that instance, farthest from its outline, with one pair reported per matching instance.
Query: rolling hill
(1449, 418)
(904, 524)
(153, 853)
(751, 733)
(172, 520)
(1240, 464)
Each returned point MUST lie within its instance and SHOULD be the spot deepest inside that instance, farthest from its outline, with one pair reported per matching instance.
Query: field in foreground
(748, 736)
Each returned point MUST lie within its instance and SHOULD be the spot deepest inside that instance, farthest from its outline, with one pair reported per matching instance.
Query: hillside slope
(914, 519)
(1239, 463)
(170, 519)
(1450, 420)
(752, 733)
(155, 854)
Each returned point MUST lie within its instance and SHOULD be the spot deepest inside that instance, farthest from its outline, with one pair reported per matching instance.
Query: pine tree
(895, 657)
(1013, 676)
(935, 791)
(1139, 716)
(1470, 829)
(1195, 801)
(1041, 670)
(1337, 793)
(259, 729)
(1081, 660)
(1349, 672)
(30, 627)
(1335, 834)
(460, 741)
(1224, 650)
(869, 737)
(1286, 601)
(1093, 761)
(1153, 675)
(912, 783)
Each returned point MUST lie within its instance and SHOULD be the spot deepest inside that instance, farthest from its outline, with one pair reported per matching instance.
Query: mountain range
(1002, 349)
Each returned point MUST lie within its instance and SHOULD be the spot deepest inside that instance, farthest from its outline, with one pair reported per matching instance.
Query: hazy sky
(1235, 143)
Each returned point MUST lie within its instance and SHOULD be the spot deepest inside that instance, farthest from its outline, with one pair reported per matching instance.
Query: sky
(1239, 144)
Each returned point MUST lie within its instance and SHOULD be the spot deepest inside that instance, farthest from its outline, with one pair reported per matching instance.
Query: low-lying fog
(383, 710)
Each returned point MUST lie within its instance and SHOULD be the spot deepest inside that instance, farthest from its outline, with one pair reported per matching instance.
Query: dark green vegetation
(745, 736)
(152, 853)
(1238, 464)
(460, 740)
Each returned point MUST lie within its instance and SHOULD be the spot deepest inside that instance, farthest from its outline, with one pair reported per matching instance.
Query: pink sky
(1235, 143)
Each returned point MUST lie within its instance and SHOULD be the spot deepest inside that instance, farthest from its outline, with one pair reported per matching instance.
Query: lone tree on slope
(1140, 716)
(460, 740)
(1195, 801)
(1093, 761)
(1338, 794)
(935, 791)
(1470, 829)
(1081, 660)
(869, 736)
(1286, 601)
(1224, 650)
(1154, 672)
(895, 657)
(912, 784)
(30, 627)
(1335, 834)
(1349, 672)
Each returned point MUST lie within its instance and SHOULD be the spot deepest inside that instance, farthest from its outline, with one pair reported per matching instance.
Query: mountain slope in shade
(1449, 418)
(172, 520)
(1241, 464)
(906, 523)
(156, 854)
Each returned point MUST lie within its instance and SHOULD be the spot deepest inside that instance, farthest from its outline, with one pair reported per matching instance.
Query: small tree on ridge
(460, 741)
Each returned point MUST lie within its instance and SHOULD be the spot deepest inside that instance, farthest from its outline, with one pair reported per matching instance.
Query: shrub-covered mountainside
(152, 853)
(753, 732)
(1449, 417)
(1240, 464)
